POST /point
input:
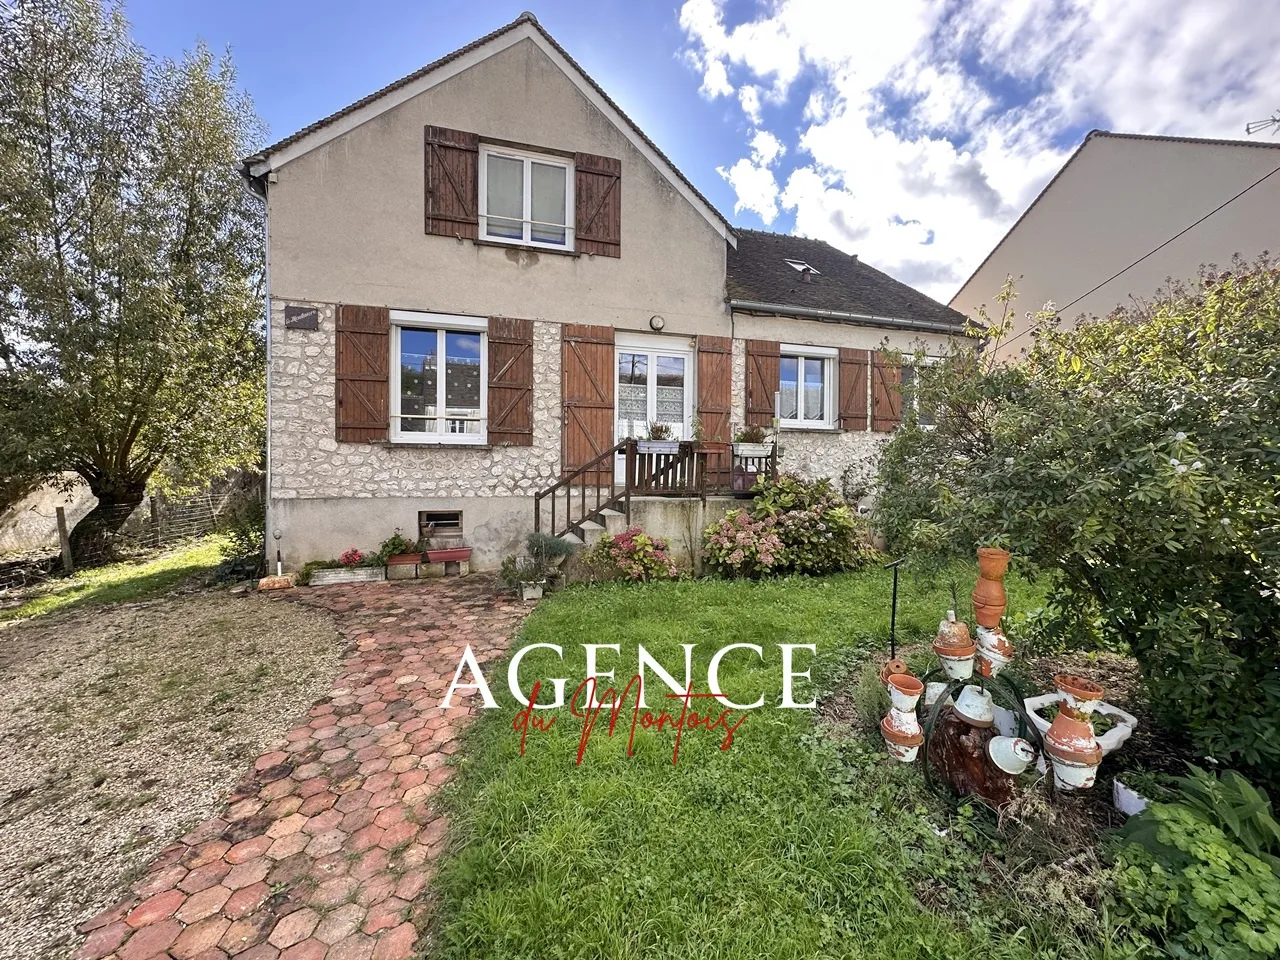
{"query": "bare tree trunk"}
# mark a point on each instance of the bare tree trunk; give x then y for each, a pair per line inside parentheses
(93, 539)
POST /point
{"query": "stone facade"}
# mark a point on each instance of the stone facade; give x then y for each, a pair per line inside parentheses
(308, 463)
(821, 453)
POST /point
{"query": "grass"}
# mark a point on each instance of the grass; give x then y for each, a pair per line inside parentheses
(122, 582)
(791, 844)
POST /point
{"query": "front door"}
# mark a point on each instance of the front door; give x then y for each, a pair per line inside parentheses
(654, 384)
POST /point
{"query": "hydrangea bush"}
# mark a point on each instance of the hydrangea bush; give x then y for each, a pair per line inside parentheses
(633, 555)
(741, 546)
(795, 526)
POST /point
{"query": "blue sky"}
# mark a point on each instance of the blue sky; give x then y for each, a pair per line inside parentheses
(911, 132)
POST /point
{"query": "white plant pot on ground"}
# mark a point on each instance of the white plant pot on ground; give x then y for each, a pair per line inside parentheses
(532, 591)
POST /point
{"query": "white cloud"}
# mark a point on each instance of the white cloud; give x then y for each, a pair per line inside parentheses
(914, 152)
(753, 181)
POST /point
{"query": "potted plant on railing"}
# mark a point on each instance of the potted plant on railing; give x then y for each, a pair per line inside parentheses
(750, 452)
(659, 440)
(711, 445)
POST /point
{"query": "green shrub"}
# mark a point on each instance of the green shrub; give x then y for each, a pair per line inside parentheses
(1132, 461)
(820, 533)
(244, 524)
(303, 577)
(1184, 886)
(633, 555)
(1235, 806)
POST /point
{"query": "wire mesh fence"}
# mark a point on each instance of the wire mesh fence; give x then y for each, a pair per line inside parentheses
(106, 534)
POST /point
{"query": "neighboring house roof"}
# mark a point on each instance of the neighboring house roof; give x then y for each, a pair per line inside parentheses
(525, 26)
(1091, 135)
(842, 288)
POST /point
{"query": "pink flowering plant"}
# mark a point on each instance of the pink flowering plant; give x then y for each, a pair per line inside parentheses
(352, 558)
(633, 555)
(740, 546)
(794, 526)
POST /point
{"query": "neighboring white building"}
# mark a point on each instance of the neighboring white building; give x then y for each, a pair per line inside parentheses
(1117, 200)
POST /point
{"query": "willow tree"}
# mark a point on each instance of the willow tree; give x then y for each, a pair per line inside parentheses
(130, 260)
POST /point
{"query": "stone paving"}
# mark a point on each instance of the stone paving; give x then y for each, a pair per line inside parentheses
(324, 851)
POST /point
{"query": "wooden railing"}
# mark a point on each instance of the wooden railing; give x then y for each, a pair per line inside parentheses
(689, 471)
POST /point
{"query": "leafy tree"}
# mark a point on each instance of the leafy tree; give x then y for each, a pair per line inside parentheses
(130, 261)
(1135, 461)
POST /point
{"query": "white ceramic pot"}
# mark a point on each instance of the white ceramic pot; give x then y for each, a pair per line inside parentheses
(957, 668)
(905, 692)
(531, 591)
(1073, 775)
(752, 449)
(990, 662)
(975, 706)
(1126, 799)
(1011, 754)
(657, 446)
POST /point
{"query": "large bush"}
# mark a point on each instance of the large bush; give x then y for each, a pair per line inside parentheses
(795, 526)
(1135, 461)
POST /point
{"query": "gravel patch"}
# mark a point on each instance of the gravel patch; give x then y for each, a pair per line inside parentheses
(125, 726)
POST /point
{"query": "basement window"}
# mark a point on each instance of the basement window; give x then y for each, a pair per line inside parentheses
(437, 523)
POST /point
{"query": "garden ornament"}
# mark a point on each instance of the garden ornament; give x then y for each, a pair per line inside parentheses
(1070, 743)
(955, 648)
(989, 598)
(900, 727)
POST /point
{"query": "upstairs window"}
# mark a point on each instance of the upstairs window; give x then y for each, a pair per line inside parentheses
(806, 386)
(439, 378)
(526, 198)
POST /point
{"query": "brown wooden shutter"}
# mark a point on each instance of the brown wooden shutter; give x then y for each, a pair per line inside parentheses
(586, 377)
(363, 355)
(510, 382)
(715, 386)
(453, 177)
(762, 380)
(853, 389)
(597, 204)
(886, 401)
(715, 401)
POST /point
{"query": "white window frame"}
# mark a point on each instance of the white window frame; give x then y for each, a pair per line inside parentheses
(911, 363)
(442, 323)
(527, 158)
(653, 346)
(828, 356)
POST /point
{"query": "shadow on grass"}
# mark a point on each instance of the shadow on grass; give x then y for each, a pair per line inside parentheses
(122, 582)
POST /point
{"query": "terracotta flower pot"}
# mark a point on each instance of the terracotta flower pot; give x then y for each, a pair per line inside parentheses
(1010, 754)
(955, 648)
(901, 746)
(995, 652)
(989, 598)
(1070, 743)
(905, 691)
(404, 558)
(891, 668)
(975, 707)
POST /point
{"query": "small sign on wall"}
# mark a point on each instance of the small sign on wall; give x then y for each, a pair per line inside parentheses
(301, 318)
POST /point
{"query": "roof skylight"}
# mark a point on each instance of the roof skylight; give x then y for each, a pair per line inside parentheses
(800, 266)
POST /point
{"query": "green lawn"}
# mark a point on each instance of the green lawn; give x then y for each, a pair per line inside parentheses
(796, 842)
(119, 582)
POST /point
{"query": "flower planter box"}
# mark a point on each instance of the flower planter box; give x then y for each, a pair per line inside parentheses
(752, 449)
(657, 446)
(532, 591)
(323, 578)
(714, 447)
(400, 558)
(449, 555)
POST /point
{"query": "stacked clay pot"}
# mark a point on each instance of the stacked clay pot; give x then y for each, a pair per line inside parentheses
(1070, 743)
(955, 648)
(994, 651)
(900, 727)
(892, 668)
(989, 598)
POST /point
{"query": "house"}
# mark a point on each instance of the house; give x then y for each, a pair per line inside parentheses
(484, 276)
(1126, 213)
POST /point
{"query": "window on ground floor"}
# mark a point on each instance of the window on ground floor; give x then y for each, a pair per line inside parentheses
(806, 386)
(439, 378)
(912, 371)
